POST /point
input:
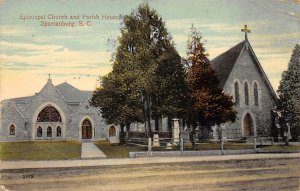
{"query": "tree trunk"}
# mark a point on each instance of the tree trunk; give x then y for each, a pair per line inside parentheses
(122, 137)
(156, 124)
(148, 116)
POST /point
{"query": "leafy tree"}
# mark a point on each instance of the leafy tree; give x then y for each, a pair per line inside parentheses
(170, 95)
(289, 93)
(147, 73)
(117, 101)
(208, 102)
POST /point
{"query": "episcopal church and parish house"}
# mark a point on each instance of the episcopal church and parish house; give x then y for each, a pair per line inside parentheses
(63, 112)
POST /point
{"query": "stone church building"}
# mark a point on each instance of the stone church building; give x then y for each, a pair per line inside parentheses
(242, 76)
(59, 112)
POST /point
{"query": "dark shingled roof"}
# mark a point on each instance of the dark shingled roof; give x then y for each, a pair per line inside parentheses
(224, 63)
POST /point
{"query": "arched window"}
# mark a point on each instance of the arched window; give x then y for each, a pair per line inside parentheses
(12, 130)
(246, 93)
(255, 94)
(49, 131)
(49, 114)
(58, 131)
(112, 131)
(237, 93)
(39, 132)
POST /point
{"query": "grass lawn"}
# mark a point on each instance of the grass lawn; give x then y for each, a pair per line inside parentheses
(117, 151)
(281, 148)
(122, 151)
(227, 146)
(40, 150)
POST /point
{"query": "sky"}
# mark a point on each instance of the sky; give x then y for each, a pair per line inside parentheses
(80, 53)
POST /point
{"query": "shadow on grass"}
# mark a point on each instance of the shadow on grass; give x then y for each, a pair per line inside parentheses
(118, 151)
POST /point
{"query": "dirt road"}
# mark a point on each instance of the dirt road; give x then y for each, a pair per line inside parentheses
(267, 175)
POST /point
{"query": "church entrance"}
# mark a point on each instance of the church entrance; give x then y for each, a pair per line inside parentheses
(248, 126)
(86, 129)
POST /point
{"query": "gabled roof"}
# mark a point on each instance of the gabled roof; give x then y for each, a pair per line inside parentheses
(224, 63)
(12, 106)
(21, 103)
(72, 94)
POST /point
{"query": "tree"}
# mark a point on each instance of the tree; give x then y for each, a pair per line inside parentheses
(118, 102)
(209, 104)
(289, 93)
(170, 95)
(146, 69)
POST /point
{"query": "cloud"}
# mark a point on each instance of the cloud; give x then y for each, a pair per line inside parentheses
(16, 30)
(30, 56)
(296, 1)
(30, 46)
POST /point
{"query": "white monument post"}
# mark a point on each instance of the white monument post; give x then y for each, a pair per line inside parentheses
(215, 132)
(156, 140)
(175, 130)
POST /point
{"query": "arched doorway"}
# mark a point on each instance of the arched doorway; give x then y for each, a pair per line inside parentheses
(86, 129)
(248, 126)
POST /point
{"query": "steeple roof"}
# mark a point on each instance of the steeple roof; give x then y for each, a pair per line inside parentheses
(224, 63)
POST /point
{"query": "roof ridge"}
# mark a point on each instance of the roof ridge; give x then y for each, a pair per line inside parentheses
(230, 49)
(225, 62)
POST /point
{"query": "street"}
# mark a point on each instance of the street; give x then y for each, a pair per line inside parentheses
(258, 174)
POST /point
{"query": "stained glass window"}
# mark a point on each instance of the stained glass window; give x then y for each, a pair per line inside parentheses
(58, 131)
(246, 93)
(39, 132)
(49, 114)
(255, 94)
(12, 130)
(237, 92)
(49, 131)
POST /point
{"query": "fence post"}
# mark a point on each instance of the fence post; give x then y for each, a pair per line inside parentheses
(222, 146)
(149, 146)
(254, 144)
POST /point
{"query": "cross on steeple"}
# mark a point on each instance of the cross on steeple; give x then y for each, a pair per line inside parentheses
(246, 30)
(49, 76)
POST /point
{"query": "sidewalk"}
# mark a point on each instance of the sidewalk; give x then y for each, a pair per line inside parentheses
(90, 151)
(127, 161)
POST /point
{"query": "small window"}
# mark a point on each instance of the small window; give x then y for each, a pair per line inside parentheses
(58, 131)
(255, 94)
(237, 93)
(246, 93)
(49, 131)
(112, 131)
(39, 132)
(12, 130)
